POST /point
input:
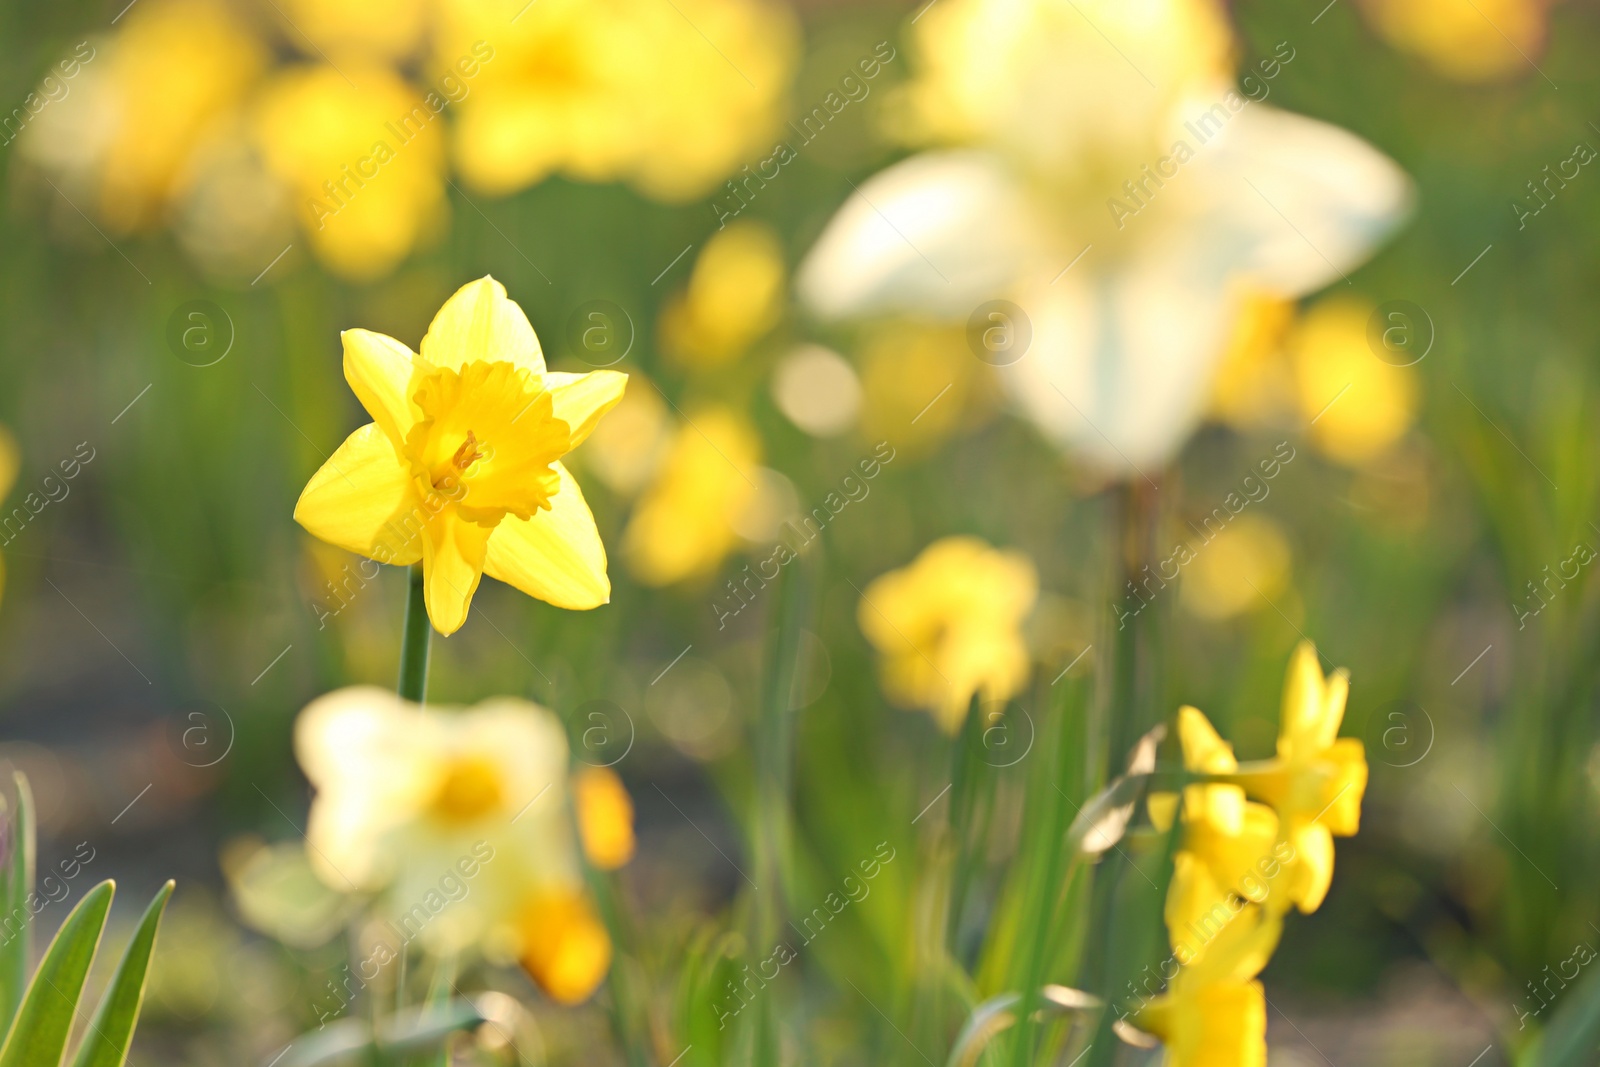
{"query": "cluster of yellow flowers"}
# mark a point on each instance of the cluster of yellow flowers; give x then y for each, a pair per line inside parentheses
(184, 117)
(1257, 840)
(948, 627)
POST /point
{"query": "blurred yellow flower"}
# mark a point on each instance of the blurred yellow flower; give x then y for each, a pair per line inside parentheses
(10, 463)
(365, 164)
(604, 90)
(1214, 1012)
(1253, 387)
(735, 295)
(1240, 568)
(605, 817)
(379, 29)
(1122, 195)
(1226, 847)
(405, 794)
(684, 524)
(1316, 781)
(710, 91)
(1362, 405)
(918, 382)
(626, 448)
(1467, 40)
(564, 944)
(162, 87)
(461, 468)
(949, 626)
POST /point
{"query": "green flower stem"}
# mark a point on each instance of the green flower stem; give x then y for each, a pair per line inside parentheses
(413, 684)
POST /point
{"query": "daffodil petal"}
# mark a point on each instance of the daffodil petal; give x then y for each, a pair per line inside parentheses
(934, 233)
(379, 370)
(1120, 362)
(360, 749)
(1298, 201)
(1313, 872)
(557, 555)
(363, 499)
(580, 399)
(480, 324)
(1301, 727)
(452, 564)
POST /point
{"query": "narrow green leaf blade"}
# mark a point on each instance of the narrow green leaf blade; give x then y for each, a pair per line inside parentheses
(16, 885)
(111, 1031)
(1574, 1029)
(39, 1033)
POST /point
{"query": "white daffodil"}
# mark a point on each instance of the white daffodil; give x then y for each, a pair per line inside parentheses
(1097, 167)
(453, 816)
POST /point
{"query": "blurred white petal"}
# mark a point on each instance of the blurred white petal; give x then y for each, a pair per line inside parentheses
(1291, 203)
(1120, 360)
(938, 230)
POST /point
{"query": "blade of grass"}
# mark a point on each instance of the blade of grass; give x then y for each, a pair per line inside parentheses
(111, 1029)
(38, 1034)
(17, 880)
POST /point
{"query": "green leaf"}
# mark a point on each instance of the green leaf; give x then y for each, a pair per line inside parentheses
(349, 1041)
(39, 1033)
(1574, 1030)
(111, 1030)
(16, 885)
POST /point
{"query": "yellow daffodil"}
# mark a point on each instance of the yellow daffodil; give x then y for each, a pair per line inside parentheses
(700, 114)
(1242, 567)
(685, 523)
(627, 447)
(363, 155)
(919, 384)
(735, 295)
(405, 794)
(385, 29)
(605, 817)
(140, 104)
(1225, 855)
(1317, 779)
(460, 468)
(1466, 40)
(1361, 405)
(605, 90)
(948, 626)
(1101, 172)
(1214, 1012)
(10, 462)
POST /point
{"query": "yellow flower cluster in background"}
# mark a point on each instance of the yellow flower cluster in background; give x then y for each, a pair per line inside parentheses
(1257, 839)
(1318, 368)
(735, 295)
(181, 118)
(461, 468)
(685, 523)
(949, 626)
(669, 97)
(460, 821)
(1466, 40)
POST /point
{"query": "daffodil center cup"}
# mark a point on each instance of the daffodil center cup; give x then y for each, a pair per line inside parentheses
(469, 789)
(487, 441)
